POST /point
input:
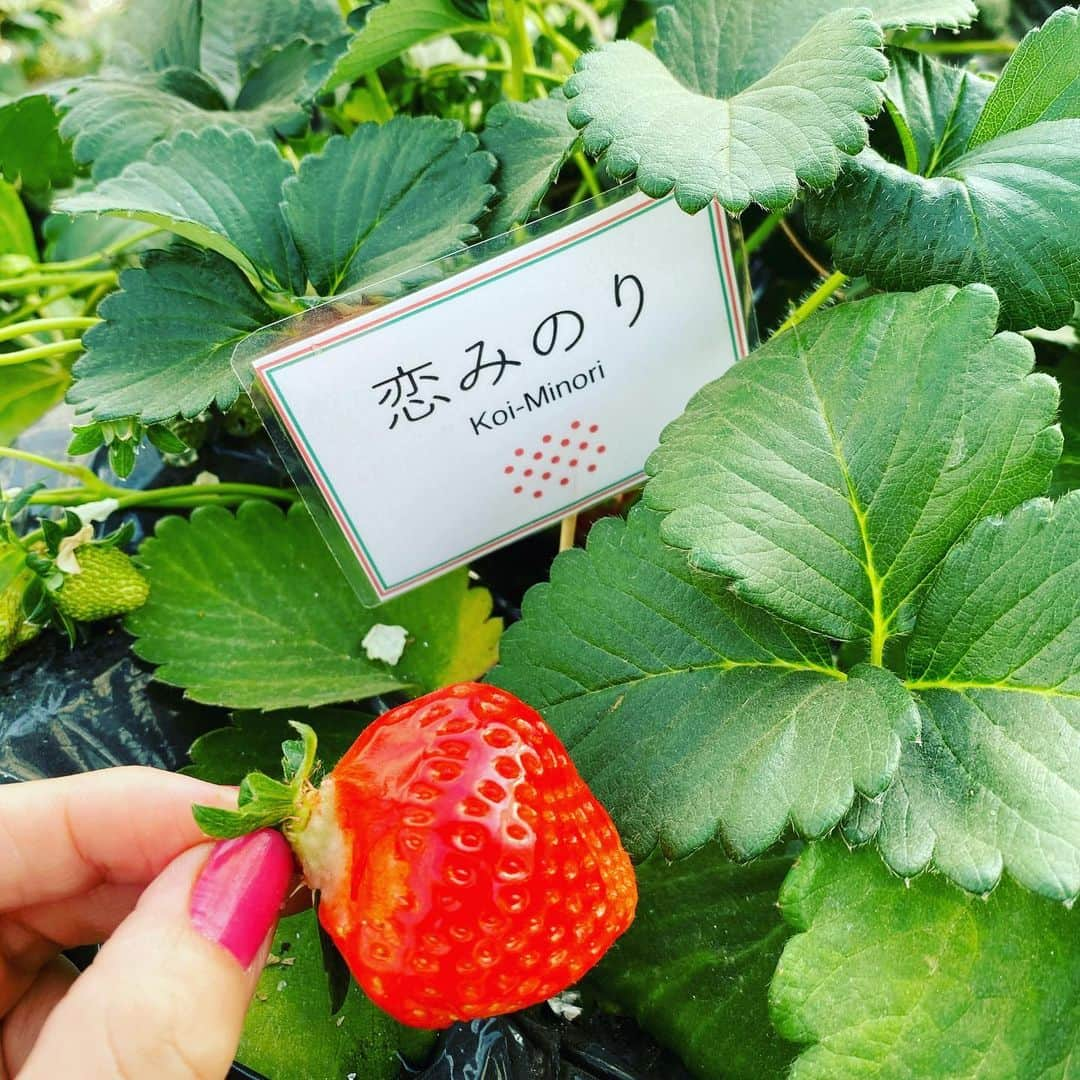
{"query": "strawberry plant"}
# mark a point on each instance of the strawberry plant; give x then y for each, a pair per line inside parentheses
(823, 677)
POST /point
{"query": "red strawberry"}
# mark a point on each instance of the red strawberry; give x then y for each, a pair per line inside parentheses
(464, 867)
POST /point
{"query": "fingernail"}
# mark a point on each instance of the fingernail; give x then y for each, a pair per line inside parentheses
(240, 891)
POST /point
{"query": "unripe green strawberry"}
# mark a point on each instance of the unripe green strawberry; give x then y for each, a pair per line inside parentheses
(14, 629)
(15, 577)
(108, 584)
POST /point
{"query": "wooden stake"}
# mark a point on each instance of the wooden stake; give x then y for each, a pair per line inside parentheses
(567, 531)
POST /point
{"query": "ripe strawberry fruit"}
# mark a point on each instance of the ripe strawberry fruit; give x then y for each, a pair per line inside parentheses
(107, 584)
(464, 867)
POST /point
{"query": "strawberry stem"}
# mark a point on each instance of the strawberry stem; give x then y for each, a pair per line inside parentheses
(264, 802)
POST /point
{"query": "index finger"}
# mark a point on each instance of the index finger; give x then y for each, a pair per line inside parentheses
(60, 838)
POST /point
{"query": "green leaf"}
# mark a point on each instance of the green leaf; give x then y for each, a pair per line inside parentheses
(220, 189)
(938, 103)
(391, 29)
(386, 199)
(992, 188)
(165, 347)
(690, 713)
(828, 474)
(248, 64)
(115, 120)
(31, 148)
(251, 611)
(1040, 82)
(151, 36)
(252, 742)
(756, 141)
(994, 215)
(243, 41)
(886, 981)
(1067, 473)
(27, 392)
(289, 1020)
(995, 662)
(531, 140)
(720, 47)
(73, 237)
(16, 232)
(695, 965)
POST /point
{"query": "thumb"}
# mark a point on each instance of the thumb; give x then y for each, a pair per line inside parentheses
(167, 994)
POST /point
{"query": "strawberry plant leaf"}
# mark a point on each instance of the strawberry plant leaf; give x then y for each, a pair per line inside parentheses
(114, 120)
(993, 215)
(1040, 82)
(219, 189)
(682, 127)
(986, 202)
(31, 148)
(695, 965)
(394, 27)
(386, 199)
(720, 47)
(250, 610)
(292, 998)
(178, 67)
(153, 37)
(994, 660)
(73, 237)
(1067, 473)
(16, 232)
(936, 105)
(531, 140)
(885, 981)
(27, 392)
(246, 47)
(828, 474)
(166, 344)
(252, 742)
(690, 713)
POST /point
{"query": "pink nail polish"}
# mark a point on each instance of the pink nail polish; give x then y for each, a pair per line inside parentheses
(240, 891)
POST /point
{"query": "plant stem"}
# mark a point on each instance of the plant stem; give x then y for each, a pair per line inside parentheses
(521, 50)
(41, 326)
(179, 497)
(588, 175)
(53, 348)
(830, 285)
(247, 491)
(80, 472)
(563, 45)
(542, 74)
(903, 133)
(30, 306)
(94, 297)
(762, 233)
(80, 279)
(384, 110)
(590, 18)
(962, 48)
(802, 250)
(107, 253)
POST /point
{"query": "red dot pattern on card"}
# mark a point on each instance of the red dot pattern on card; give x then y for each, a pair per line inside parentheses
(552, 466)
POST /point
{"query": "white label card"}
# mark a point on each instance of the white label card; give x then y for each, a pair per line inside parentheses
(456, 419)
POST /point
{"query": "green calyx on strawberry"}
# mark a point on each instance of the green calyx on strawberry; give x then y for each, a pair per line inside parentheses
(463, 866)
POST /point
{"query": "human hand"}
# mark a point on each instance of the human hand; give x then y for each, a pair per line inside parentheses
(116, 856)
